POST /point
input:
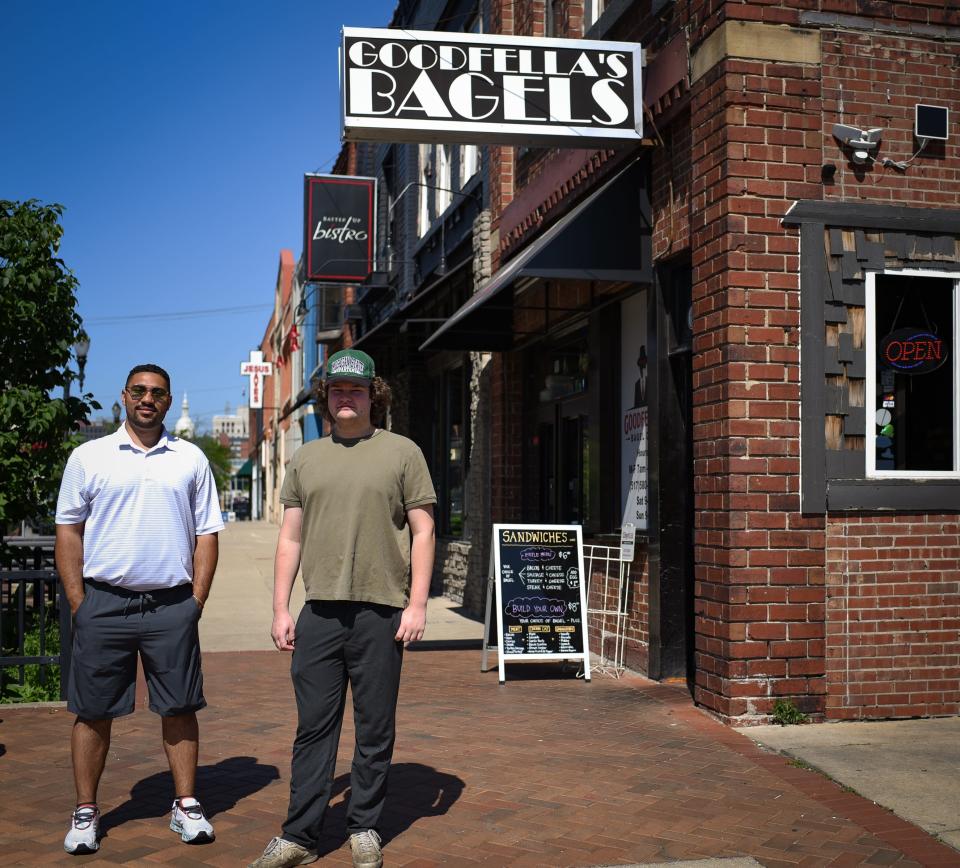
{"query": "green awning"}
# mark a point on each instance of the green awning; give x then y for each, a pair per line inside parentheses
(246, 469)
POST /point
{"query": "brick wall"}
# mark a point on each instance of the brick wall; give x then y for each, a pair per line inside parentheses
(787, 604)
(879, 78)
(759, 562)
(670, 191)
(893, 616)
(772, 582)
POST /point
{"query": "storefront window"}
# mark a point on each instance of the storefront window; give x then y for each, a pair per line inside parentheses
(913, 371)
(455, 451)
(563, 436)
(451, 449)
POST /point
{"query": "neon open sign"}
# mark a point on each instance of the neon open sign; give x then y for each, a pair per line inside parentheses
(912, 351)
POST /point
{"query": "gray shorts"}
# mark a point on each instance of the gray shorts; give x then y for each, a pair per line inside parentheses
(111, 627)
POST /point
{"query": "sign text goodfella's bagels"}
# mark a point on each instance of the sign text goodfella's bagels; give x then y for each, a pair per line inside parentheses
(402, 85)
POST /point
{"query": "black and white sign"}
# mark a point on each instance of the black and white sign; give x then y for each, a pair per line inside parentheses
(634, 419)
(539, 589)
(339, 227)
(415, 86)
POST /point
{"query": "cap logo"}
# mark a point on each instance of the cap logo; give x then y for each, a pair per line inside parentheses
(347, 365)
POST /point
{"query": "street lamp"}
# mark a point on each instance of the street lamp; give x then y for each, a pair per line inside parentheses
(116, 412)
(81, 346)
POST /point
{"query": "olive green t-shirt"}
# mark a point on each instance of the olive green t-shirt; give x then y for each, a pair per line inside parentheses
(354, 540)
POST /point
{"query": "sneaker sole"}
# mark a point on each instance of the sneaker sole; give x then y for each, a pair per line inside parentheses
(199, 838)
(83, 849)
(307, 860)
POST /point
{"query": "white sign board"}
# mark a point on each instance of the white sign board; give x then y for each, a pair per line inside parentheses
(628, 539)
(256, 369)
(633, 411)
(422, 86)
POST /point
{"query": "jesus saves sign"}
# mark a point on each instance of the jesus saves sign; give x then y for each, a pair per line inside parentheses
(401, 85)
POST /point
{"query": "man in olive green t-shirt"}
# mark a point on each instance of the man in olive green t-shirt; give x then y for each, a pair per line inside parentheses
(358, 520)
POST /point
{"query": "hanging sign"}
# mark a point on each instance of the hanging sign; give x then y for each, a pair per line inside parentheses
(256, 369)
(912, 351)
(420, 86)
(539, 590)
(339, 227)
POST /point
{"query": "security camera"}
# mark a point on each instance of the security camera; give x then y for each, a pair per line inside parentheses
(861, 141)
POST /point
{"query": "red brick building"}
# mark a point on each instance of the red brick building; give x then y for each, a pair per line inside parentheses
(803, 480)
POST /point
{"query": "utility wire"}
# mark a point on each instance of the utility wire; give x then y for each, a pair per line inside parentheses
(174, 315)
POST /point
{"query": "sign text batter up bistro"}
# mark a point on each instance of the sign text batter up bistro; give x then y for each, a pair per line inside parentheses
(413, 86)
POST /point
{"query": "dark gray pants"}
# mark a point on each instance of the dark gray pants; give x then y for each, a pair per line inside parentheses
(337, 642)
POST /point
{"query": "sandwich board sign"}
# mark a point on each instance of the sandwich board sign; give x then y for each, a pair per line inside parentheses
(538, 585)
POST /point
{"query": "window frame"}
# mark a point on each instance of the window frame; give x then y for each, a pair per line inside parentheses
(443, 385)
(473, 164)
(870, 347)
(444, 175)
(592, 12)
(424, 219)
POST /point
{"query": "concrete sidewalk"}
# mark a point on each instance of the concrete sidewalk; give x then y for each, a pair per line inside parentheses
(238, 615)
(911, 767)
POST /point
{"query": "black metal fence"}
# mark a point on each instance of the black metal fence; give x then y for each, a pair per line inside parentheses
(31, 596)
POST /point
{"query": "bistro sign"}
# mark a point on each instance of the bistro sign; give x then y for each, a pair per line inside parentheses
(413, 86)
(338, 218)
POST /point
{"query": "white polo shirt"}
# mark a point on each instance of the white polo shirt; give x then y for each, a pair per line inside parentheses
(143, 509)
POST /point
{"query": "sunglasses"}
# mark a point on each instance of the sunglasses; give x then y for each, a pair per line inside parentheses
(137, 392)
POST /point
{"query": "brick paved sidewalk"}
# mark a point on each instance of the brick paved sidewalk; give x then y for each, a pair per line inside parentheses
(546, 770)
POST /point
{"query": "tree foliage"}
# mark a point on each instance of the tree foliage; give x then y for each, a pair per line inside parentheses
(219, 457)
(38, 326)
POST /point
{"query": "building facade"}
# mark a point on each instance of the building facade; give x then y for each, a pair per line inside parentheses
(801, 507)
(739, 336)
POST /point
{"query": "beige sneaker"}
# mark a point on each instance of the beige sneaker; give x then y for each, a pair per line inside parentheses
(366, 849)
(281, 853)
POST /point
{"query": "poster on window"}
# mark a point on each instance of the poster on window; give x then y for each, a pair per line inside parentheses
(633, 411)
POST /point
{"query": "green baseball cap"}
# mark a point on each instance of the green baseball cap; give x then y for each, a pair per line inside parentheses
(353, 365)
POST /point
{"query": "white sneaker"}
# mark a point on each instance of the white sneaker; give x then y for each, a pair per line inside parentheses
(84, 834)
(366, 849)
(281, 853)
(190, 823)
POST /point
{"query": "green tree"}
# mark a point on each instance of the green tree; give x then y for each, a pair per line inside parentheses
(219, 457)
(38, 326)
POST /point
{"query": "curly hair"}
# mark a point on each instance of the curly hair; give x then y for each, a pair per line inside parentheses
(380, 398)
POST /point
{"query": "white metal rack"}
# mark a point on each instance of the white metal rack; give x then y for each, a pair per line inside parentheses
(614, 602)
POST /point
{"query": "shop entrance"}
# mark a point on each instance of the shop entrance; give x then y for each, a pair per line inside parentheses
(563, 439)
(671, 560)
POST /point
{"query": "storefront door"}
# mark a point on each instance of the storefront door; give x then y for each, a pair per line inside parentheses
(671, 468)
(562, 437)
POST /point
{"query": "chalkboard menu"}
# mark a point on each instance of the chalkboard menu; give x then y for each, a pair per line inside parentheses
(540, 594)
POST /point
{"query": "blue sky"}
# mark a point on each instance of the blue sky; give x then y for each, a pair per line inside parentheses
(176, 135)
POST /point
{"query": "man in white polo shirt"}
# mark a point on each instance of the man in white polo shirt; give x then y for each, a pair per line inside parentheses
(137, 523)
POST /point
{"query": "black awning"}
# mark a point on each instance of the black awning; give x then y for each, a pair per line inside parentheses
(386, 331)
(606, 237)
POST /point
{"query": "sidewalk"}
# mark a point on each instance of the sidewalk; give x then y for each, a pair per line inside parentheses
(911, 767)
(238, 614)
(544, 771)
